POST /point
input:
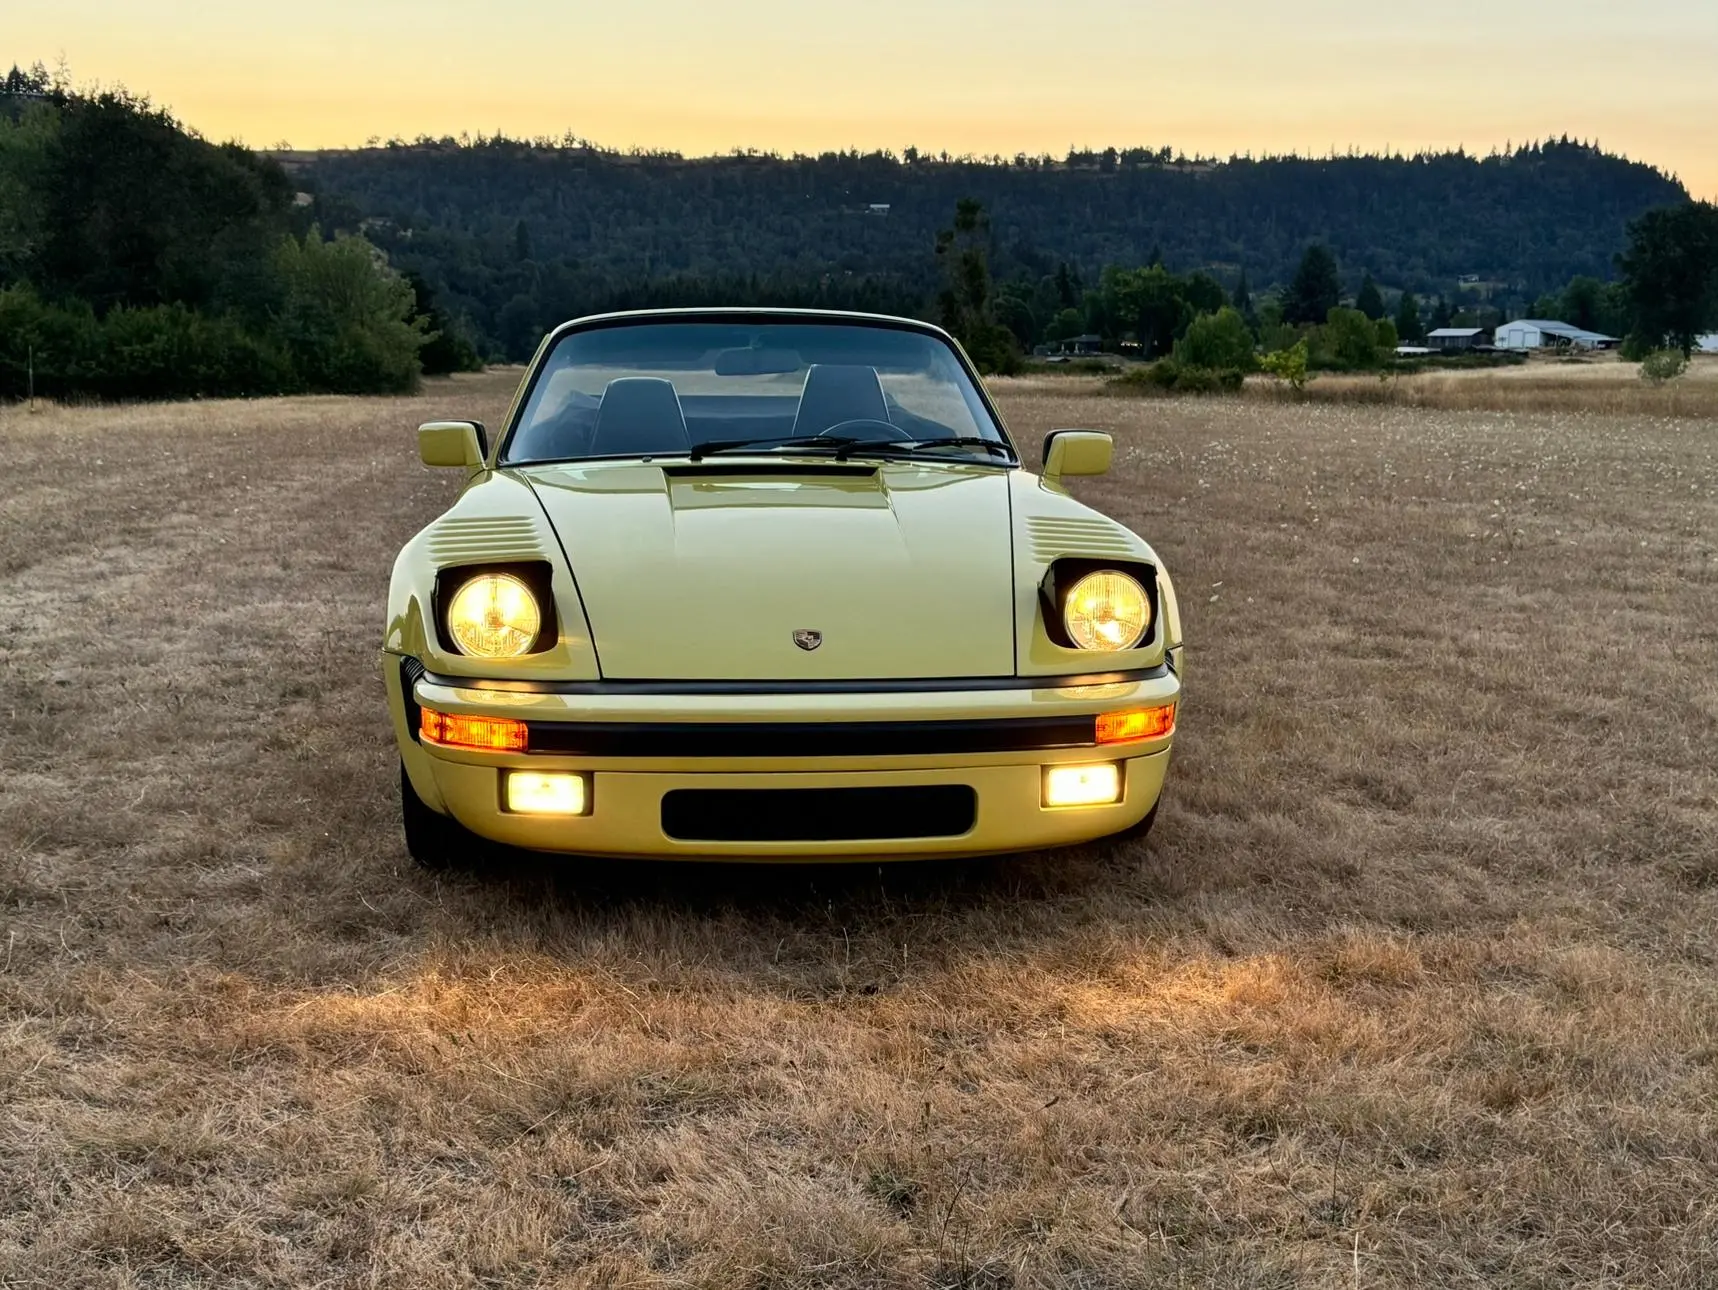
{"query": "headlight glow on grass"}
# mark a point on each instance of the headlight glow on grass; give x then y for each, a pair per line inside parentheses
(1134, 724)
(487, 734)
(531, 792)
(1082, 785)
(494, 616)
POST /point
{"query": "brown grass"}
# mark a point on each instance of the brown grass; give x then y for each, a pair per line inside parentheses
(1413, 986)
(1597, 384)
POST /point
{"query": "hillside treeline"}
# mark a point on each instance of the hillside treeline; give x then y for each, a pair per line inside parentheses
(516, 235)
(140, 261)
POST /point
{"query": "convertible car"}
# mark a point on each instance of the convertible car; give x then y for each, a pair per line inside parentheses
(772, 585)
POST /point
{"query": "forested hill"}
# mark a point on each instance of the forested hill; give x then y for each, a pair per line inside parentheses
(595, 225)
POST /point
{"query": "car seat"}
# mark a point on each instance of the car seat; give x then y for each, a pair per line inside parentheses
(835, 393)
(639, 415)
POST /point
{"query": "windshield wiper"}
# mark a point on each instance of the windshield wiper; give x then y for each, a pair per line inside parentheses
(913, 445)
(710, 447)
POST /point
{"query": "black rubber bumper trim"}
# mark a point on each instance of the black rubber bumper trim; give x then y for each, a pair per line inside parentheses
(891, 685)
(680, 739)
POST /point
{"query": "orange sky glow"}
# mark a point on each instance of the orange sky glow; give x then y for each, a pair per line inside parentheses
(978, 76)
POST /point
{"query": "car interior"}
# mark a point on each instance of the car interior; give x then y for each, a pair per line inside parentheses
(644, 415)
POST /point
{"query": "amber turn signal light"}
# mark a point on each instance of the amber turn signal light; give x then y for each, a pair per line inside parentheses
(490, 734)
(1134, 724)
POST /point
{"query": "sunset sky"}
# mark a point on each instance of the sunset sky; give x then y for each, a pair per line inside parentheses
(962, 75)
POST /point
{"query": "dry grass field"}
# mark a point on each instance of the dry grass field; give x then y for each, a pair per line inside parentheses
(1591, 383)
(1415, 984)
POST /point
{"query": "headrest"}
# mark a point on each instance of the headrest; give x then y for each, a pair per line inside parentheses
(839, 392)
(639, 415)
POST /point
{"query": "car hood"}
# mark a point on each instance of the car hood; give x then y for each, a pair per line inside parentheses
(706, 571)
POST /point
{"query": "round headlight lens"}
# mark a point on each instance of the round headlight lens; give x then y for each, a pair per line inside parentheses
(494, 616)
(1107, 610)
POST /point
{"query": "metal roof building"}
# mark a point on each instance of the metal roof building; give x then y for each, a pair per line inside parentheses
(1539, 333)
(1448, 338)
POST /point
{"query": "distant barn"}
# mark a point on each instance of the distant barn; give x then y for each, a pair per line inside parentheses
(1537, 333)
(1450, 339)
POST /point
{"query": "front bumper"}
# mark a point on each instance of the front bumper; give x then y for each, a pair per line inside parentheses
(634, 766)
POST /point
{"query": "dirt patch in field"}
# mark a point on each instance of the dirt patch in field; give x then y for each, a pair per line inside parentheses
(1413, 985)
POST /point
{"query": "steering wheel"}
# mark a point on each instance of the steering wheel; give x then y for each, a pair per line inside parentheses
(873, 429)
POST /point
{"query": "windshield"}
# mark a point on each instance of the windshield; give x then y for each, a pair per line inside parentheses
(679, 388)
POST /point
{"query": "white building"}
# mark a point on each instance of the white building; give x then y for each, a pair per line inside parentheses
(1538, 333)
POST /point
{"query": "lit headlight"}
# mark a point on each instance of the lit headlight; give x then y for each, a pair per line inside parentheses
(1107, 610)
(494, 616)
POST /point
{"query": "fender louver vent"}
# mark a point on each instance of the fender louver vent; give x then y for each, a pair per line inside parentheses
(1054, 536)
(484, 537)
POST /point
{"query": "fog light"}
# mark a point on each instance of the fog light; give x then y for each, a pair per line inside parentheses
(531, 792)
(1082, 785)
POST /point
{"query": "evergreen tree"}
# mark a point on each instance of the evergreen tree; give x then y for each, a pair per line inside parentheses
(1443, 313)
(521, 242)
(1316, 288)
(1068, 290)
(1243, 297)
(1370, 301)
(966, 303)
(1408, 324)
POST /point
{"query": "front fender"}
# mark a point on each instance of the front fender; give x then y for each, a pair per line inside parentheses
(496, 520)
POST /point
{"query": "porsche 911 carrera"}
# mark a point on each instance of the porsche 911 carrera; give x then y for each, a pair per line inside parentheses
(772, 585)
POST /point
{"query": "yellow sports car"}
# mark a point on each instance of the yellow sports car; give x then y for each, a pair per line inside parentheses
(772, 585)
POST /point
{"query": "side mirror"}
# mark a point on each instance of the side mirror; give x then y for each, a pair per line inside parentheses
(463, 444)
(1077, 452)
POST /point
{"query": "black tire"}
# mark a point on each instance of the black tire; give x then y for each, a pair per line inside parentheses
(435, 841)
(1135, 832)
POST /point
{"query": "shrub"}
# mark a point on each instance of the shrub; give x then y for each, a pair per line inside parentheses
(1171, 376)
(1289, 365)
(1663, 365)
(61, 343)
(1638, 348)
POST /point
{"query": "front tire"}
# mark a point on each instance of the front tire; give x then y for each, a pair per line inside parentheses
(1133, 832)
(435, 841)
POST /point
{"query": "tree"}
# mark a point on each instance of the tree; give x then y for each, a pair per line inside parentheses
(1370, 301)
(521, 242)
(1243, 297)
(1583, 303)
(1443, 313)
(1316, 288)
(1066, 325)
(350, 322)
(1350, 341)
(1408, 324)
(1150, 302)
(1219, 341)
(1670, 272)
(965, 303)
(1013, 309)
(1068, 287)
(446, 346)
(1205, 293)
